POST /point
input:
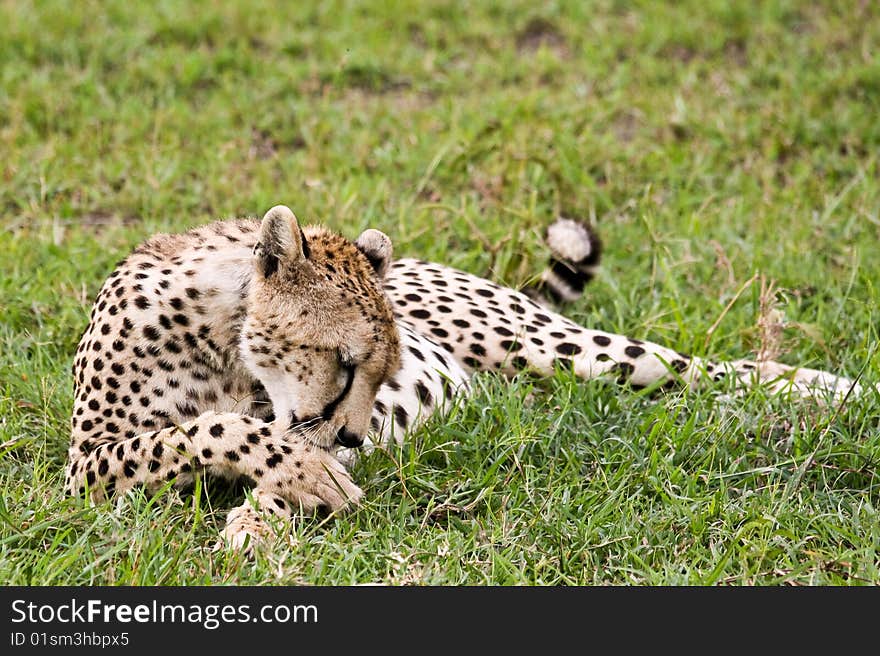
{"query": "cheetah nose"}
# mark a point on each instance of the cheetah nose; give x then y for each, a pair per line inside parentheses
(348, 439)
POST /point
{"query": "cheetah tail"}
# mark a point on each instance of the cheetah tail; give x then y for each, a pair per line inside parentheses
(575, 251)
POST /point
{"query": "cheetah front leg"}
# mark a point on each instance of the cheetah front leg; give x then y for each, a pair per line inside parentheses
(489, 327)
(289, 472)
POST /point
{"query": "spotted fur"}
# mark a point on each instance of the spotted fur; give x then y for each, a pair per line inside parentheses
(251, 349)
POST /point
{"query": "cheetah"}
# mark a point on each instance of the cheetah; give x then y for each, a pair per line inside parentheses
(260, 350)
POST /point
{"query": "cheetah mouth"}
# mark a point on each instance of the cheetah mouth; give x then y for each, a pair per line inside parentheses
(315, 430)
(319, 432)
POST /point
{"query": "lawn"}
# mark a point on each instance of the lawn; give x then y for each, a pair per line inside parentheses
(709, 141)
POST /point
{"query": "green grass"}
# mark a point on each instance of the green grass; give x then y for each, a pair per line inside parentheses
(709, 141)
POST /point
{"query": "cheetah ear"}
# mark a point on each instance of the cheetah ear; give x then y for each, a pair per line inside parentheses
(376, 246)
(281, 240)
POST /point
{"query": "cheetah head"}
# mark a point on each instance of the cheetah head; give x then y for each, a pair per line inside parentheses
(319, 333)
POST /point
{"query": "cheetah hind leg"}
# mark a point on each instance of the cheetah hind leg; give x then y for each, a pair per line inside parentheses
(595, 354)
(500, 329)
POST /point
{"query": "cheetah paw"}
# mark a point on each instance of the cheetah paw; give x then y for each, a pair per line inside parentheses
(323, 481)
(309, 478)
(244, 530)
